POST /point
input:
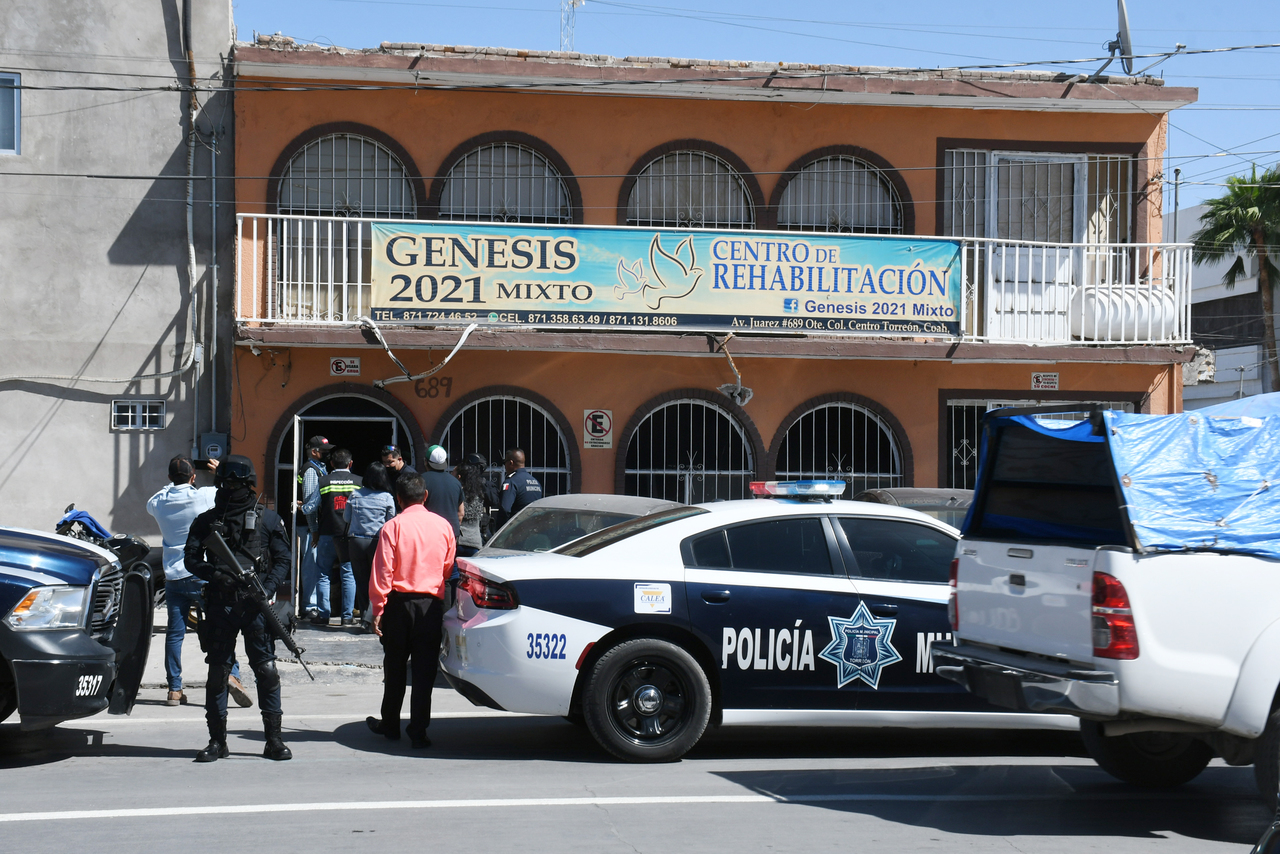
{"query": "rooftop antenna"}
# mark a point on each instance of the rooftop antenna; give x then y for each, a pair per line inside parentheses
(1123, 44)
(568, 13)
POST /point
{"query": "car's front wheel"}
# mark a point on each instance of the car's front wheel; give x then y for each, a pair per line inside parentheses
(647, 700)
(1159, 760)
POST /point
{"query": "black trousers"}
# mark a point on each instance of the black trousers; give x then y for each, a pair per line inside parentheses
(227, 618)
(411, 627)
(362, 549)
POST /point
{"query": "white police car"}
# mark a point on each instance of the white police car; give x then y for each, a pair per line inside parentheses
(791, 611)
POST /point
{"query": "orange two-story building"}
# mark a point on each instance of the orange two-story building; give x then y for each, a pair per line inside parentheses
(1048, 184)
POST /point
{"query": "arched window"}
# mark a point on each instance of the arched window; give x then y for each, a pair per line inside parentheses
(505, 182)
(840, 193)
(689, 450)
(690, 189)
(841, 441)
(324, 264)
(493, 425)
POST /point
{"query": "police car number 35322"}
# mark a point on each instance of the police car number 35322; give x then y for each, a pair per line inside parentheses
(544, 645)
(736, 613)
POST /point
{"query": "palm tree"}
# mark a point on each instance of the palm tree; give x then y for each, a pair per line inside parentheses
(1246, 221)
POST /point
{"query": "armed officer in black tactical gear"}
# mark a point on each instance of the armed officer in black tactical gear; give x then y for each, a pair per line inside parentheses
(255, 535)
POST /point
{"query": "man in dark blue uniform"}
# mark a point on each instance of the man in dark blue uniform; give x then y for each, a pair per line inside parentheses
(256, 537)
(519, 489)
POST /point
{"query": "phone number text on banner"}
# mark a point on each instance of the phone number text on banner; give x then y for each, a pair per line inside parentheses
(631, 278)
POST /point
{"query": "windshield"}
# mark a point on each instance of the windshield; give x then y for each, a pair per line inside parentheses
(630, 528)
(541, 529)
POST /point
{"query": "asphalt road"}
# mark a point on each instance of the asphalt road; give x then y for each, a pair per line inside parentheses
(502, 782)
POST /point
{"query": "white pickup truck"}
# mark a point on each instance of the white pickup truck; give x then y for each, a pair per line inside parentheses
(1126, 569)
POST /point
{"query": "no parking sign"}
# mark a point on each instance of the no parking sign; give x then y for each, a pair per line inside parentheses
(597, 428)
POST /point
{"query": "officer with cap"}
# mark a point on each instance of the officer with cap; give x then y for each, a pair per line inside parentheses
(519, 488)
(257, 535)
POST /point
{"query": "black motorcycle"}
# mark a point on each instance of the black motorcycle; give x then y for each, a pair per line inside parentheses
(132, 552)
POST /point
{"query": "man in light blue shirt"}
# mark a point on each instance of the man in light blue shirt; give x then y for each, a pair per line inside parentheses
(175, 507)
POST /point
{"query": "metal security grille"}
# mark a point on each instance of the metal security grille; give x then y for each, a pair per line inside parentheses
(840, 194)
(841, 441)
(505, 182)
(493, 425)
(691, 451)
(964, 430)
(1034, 196)
(690, 189)
(137, 415)
(324, 265)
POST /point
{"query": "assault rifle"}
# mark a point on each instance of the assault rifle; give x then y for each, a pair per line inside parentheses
(250, 584)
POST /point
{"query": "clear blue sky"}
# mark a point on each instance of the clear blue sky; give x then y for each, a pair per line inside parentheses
(1238, 111)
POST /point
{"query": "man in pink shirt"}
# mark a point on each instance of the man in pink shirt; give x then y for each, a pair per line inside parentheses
(406, 591)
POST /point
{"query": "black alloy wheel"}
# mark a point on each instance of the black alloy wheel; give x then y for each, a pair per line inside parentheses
(647, 700)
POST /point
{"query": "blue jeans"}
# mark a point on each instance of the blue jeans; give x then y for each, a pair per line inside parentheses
(326, 556)
(178, 596)
(310, 574)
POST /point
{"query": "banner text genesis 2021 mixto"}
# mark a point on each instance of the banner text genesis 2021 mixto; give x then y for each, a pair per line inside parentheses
(634, 278)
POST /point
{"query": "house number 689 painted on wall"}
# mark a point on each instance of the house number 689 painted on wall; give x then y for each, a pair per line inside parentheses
(433, 387)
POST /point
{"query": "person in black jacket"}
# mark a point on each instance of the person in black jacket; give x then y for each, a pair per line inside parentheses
(519, 488)
(255, 535)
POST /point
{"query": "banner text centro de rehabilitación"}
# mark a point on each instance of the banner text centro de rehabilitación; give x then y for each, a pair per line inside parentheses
(627, 278)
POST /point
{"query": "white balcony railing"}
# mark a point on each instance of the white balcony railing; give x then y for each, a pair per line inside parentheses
(315, 271)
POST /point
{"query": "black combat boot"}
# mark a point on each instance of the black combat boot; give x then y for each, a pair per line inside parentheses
(217, 748)
(275, 748)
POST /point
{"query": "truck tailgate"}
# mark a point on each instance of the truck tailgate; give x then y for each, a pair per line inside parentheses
(1032, 598)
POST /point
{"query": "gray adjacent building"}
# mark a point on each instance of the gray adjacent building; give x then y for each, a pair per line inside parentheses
(108, 282)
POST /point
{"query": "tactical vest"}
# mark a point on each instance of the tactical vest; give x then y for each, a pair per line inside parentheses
(335, 488)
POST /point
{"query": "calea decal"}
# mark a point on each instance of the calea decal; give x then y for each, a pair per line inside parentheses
(860, 647)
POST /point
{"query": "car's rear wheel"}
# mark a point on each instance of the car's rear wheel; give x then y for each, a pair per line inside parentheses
(1160, 760)
(647, 700)
(1266, 761)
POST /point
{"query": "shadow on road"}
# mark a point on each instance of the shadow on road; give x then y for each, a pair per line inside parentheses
(1220, 805)
(20, 749)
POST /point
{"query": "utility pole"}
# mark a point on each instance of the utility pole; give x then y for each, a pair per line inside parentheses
(568, 12)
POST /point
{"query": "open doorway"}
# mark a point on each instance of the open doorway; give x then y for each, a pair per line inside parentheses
(360, 425)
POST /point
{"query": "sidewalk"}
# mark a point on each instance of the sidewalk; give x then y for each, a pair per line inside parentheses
(334, 654)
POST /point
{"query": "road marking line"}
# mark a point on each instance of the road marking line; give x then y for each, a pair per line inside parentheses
(494, 803)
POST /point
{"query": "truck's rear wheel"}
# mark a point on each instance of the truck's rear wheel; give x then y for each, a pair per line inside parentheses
(1160, 760)
(1266, 761)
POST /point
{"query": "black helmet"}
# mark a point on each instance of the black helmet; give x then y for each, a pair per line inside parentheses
(235, 471)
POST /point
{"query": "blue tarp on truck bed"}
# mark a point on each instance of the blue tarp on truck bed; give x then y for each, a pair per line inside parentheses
(1205, 479)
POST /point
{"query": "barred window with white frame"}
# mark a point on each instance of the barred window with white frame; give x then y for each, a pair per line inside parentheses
(137, 415)
(690, 189)
(1060, 198)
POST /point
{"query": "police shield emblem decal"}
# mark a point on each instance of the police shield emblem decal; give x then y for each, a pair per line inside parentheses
(860, 647)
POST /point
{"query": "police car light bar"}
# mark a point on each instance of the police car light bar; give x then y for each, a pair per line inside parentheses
(824, 489)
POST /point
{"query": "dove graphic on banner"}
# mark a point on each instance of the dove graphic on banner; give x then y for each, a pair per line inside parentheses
(677, 274)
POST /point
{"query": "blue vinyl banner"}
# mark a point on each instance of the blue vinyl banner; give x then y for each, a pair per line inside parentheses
(548, 276)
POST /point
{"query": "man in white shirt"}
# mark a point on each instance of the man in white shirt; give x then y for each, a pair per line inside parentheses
(175, 507)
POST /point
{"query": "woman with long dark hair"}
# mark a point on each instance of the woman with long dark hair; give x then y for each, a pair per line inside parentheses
(368, 509)
(476, 500)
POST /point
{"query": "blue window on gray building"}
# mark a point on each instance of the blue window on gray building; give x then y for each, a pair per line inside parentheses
(10, 113)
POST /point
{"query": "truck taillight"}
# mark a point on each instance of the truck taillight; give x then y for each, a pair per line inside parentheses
(485, 593)
(953, 606)
(1114, 634)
